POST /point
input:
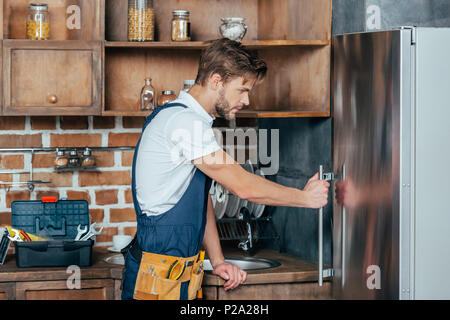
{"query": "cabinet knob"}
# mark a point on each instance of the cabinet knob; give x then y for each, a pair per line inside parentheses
(52, 98)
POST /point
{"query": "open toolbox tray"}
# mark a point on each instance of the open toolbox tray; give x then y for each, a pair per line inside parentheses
(53, 219)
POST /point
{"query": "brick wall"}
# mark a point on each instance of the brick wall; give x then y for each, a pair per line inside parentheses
(107, 190)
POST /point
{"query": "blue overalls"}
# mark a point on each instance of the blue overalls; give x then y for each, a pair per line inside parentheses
(177, 232)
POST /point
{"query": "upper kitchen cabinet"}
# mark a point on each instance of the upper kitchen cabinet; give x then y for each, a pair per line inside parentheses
(61, 75)
(68, 19)
(293, 36)
(54, 78)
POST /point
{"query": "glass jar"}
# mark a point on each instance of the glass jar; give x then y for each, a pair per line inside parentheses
(38, 22)
(74, 159)
(166, 97)
(141, 20)
(148, 96)
(181, 26)
(187, 85)
(88, 160)
(61, 159)
(233, 28)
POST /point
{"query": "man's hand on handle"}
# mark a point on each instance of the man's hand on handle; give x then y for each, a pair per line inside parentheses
(317, 192)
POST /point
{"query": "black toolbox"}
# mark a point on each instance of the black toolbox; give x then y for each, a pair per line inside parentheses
(57, 221)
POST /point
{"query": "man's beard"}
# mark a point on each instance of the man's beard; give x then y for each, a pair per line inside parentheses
(223, 107)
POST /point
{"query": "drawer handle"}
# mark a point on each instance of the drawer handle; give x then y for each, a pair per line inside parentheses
(52, 98)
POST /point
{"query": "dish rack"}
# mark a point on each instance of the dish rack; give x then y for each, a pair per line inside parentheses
(247, 230)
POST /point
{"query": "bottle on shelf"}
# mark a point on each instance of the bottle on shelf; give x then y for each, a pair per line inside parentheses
(181, 26)
(61, 160)
(147, 101)
(141, 20)
(166, 97)
(74, 159)
(187, 85)
(38, 22)
(88, 160)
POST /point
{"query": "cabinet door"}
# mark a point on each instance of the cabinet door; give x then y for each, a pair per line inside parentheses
(52, 77)
(102, 289)
(7, 291)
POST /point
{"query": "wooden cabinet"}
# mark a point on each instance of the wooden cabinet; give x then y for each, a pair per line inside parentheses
(102, 289)
(52, 78)
(7, 291)
(293, 37)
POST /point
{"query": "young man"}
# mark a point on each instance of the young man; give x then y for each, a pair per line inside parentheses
(175, 160)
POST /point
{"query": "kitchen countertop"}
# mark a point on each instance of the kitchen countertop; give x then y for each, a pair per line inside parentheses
(291, 270)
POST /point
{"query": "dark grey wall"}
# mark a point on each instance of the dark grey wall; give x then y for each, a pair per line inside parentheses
(304, 144)
(352, 15)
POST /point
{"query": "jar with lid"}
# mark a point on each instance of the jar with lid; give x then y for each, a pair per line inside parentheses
(88, 159)
(147, 100)
(181, 26)
(166, 97)
(74, 159)
(38, 22)
(141, 20)
(61, 159)
(187, 85)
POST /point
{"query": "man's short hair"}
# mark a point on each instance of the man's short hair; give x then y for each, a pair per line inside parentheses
(229, 59)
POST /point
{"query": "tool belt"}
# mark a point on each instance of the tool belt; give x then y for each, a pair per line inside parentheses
(160, 276)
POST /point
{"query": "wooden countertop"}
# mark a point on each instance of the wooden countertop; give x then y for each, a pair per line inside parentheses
(292, 269)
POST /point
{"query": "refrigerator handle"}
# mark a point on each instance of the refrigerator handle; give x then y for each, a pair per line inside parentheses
(320, 246)
(343, 236)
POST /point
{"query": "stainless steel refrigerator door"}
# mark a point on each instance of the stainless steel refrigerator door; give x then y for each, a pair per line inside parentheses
(367, 89)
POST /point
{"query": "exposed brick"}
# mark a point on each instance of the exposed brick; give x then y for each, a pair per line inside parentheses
(76, 140)
(16, 195)
(123, 139)
(20, 141)
(122, 215)
(79, 195)
(44, 160)
(131, 231)
(6, 177)
(5, 218)
(107, 234)
(57, 179)
(43, 123)
(97, 215)
(12, 123)
(128, 195)
(127, 158)
(133, 122)
(102, 178)
(74, 123)
(104, 122)
(11, 161)
(104, 159)
(103, 197)
(40, 194)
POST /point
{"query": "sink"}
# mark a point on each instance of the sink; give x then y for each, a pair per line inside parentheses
(245, 263)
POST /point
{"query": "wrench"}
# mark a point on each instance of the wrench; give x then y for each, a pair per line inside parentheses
(92, 232)
(81, 231)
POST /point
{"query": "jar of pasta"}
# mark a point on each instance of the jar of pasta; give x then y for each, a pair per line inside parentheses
(38, 22)
(141, 20)
(181, 26)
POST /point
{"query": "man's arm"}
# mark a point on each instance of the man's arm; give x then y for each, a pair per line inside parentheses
(211, 243)
(223, 169)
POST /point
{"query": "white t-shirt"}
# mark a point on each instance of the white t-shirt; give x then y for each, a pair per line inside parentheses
(174, 138)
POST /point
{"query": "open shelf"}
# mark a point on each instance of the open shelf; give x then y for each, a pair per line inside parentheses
(258, 44)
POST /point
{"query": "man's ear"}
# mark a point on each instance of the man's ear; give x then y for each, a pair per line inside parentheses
(215, 81)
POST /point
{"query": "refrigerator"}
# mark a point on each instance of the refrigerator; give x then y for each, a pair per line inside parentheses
(391, 150)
